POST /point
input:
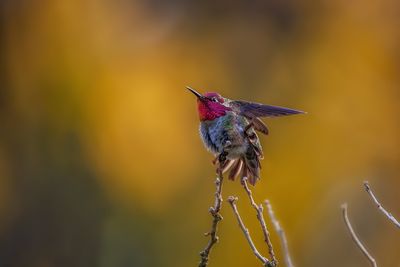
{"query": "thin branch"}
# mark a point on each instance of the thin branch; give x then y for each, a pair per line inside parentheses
(380, 207)
(232, 201)
(355, 238)
(214, 211)
(281, 234)
(260, 217)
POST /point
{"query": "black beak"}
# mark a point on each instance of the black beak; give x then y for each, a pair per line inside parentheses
(199, 96)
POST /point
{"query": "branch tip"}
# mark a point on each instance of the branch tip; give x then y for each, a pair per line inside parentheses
(232, 199)
(367, 187)
(379, 205)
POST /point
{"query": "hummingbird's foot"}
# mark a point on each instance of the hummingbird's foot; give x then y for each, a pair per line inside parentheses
(222, 157)
(221, 160)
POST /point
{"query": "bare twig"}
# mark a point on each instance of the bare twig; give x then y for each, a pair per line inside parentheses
(260, 217)
(232, 201)
(355, 238)
(214, 211)
(281, 234)
(380, 207)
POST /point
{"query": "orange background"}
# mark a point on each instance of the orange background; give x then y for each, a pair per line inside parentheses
(100, 159)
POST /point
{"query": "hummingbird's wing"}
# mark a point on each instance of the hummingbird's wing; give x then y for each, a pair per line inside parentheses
(252, 110)
(259, 125)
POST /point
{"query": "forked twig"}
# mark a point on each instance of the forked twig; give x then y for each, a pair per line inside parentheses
(260, 217)
(232, 201)
(214, 211)
(281, 233)
(355, 238)
(380, 207)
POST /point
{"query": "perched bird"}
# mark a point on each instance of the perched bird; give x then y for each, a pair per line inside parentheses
(227, 128)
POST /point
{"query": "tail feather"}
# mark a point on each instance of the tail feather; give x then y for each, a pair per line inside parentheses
(237, 167)
(248, 166)
(226, 165)
(252, 164)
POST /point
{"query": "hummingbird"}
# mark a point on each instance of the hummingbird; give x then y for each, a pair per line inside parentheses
(228, 130)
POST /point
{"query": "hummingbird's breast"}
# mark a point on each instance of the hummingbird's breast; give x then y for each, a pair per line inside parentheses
(223, 131)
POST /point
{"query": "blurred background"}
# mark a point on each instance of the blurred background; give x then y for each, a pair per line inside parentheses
(100, 159)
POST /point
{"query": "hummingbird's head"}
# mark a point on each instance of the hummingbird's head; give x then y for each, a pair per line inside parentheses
(210, 105)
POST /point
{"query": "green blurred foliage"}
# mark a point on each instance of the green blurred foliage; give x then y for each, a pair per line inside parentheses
(100, 159)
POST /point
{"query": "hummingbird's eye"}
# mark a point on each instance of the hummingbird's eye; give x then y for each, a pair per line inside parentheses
(214, 99)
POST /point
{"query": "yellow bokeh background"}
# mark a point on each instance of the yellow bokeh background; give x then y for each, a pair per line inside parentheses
(100, 159)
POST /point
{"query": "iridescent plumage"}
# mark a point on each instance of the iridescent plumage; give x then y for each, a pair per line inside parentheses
(227, 128)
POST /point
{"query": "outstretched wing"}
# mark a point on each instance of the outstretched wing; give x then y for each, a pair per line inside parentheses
(252, 110)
